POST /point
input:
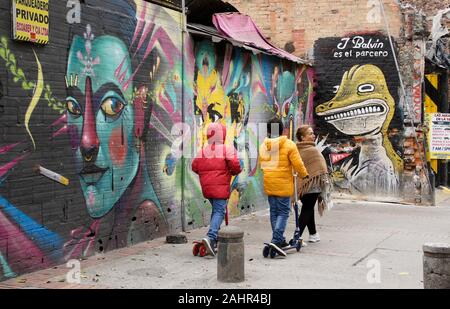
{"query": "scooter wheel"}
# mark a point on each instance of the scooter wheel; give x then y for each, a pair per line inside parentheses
(266, 251)
(202, 251)
(299, 246)
(195, 249)
(273, 253)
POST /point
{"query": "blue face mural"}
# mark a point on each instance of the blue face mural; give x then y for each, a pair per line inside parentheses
(122, 94)
(101, 119)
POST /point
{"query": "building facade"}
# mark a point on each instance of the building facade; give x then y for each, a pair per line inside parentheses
(99, 125)
(374, 88)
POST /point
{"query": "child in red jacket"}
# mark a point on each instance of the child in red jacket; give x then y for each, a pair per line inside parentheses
(215, 164)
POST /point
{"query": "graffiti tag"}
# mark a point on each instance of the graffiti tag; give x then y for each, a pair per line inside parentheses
(74, 14)
(359, 46)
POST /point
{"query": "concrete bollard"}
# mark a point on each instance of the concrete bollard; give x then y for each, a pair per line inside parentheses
(176, 239)
(436, 266)
(230, 259)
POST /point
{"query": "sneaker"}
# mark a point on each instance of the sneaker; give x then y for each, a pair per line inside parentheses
(278, 247)
(284, 244)
(209, 246)
(314, 238)
(304, 243)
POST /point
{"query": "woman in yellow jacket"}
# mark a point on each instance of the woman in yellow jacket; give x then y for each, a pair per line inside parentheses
(277, 156)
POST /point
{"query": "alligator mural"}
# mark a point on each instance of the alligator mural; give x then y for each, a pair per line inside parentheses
(363, 108)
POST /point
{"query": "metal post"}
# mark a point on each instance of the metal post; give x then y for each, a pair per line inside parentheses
(183, 159)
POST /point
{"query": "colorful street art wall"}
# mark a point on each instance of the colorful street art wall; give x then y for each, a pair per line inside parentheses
(242, 91)
(88, 129)
(358, 113)
(94, 108)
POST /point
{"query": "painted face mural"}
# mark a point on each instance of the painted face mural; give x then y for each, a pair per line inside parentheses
(221, 96)
(361, 110)
(211, 104)
(123, 97)
(101, 119)
(118, 100)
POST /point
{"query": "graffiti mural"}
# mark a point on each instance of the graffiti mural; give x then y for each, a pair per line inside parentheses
(222, 84)
(242, 90)
(122, 94)
(87, 160)
(292, 96)
(359, 112)
(112, 98)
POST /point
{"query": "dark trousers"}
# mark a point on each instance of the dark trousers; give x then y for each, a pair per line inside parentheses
(306, 218)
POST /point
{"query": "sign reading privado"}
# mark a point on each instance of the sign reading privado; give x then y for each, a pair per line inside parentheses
(31, 20)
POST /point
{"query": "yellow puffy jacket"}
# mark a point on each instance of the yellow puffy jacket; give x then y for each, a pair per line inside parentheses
(277, 157)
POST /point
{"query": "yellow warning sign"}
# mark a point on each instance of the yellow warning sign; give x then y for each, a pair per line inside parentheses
(31, 20)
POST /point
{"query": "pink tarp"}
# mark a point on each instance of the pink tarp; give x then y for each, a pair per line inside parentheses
(242, 28)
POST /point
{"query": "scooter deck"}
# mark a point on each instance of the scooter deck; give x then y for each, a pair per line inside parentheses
(267, 252)
(273, 250)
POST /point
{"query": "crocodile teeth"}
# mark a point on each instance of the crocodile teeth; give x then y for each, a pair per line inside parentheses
(355, 112)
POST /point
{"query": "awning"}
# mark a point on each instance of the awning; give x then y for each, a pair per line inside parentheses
(240, 31)
(198, 11)
(241, 28)
(222, 21)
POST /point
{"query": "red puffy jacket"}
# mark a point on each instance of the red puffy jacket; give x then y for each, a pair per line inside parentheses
(216, 163)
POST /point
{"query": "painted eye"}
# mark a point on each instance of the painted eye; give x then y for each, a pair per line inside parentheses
(112, 106)
(335, 89)
(197, 110)
(215, 116)
(366, 88)
(73, 107)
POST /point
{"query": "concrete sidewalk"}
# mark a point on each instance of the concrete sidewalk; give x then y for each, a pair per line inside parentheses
(357, 238)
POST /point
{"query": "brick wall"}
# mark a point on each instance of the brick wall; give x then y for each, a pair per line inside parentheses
(429, 8)
(313, 30)
(303, 22)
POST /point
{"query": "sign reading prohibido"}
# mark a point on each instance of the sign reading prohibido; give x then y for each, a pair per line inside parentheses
(30, 20)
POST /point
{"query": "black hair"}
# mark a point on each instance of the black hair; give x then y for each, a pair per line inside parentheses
(275, 127)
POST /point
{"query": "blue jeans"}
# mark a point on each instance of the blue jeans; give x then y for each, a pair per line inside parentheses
(217, 215)
(279, 214)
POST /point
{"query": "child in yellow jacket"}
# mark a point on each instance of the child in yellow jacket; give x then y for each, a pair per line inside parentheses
(277, 156)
